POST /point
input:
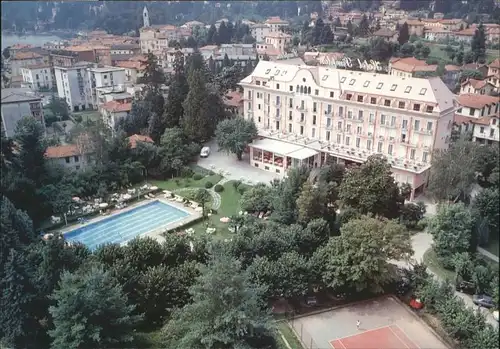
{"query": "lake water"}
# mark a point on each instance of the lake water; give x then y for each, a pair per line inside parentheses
(35, 40)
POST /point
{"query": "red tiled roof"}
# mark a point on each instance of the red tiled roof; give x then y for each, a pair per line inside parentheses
(476, 84)
(62, 151)
(233, 99)
(466, 32)
(115, 107)
(26, 55)
(138, 65)
(472, 100)
(411, 64)
(138, 138)
(495, 64)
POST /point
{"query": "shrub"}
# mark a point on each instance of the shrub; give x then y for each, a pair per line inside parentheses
(197, 176)
(218, 188)
(236, 184)
(177, 182)
(186, 172)
(213, 211)
(242, 190)
(209, 185)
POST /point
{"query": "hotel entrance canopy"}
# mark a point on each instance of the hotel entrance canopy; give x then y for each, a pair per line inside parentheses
(283, 148)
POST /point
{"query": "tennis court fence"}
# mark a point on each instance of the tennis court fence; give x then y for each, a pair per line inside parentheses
(305, 338)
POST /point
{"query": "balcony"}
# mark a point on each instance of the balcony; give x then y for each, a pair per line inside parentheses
(388, 125)
(408, 143)
(301, 108)
(277, 117)
(329, 113)
(277, 104)
(301, 120)
(423, 131)
(358, 119)
(266, 101)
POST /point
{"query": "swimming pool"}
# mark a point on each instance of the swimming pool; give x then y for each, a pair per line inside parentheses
(125, 226)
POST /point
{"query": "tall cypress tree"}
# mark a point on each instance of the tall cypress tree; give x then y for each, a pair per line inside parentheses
(195, 120)
(404, 34)
(478, 44)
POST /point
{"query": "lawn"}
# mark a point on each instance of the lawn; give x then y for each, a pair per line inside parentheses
(92, 115)
(290, 337)
(178, 183)
(431, 261)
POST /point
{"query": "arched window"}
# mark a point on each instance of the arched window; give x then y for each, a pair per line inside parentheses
(309, 90)
(301, 89)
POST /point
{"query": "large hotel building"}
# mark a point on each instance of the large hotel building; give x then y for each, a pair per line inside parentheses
(306, 114)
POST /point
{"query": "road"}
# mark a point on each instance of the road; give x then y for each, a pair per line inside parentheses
(421, 242)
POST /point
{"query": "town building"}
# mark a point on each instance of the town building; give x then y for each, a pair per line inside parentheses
(21, 59)
(308, 114)
(479, 115)
(17, 103)
(276, 23)
(259, 31)
(474, 86)
(113, 111)
(38, 77)
(233, 102)
(386, 34)
(493, 75)
(409, 66)
(279, 41)
(134, 70)
(69, 156)
(125, 49)
(242, 54)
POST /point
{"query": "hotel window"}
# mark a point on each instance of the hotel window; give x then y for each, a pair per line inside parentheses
(472, 111)
(327, 135)
(349, 114)
(423, 91)
(301, 130)
(257, 83)
(250, 94)
(360, 98)
(339, 139)
(258, 119)
(331, 94)
(492, 132)
(290, 103)
(313, 133)
(290, 115)
(412, 154)
(309, 90)
(373, 100)
(314, 119)
(67, 159)
(359, 130)
(493, 121)
(277, 125)
(429, 126)
(425, 155)
(302, 89)
(429, 109)
(341, 111)
(314, 107)
(339, 125)
(382, 119)
(342, 79)
(371, 120)
(379, 86)
(258, 106)
(352, 82)
(358, 141)
(407, 89)
(416, 107)
(329, 109)
(360, 115)
(290, 128)
(387, 102)
(291, 88)
(316, 92)
(389, 149)
(77, 159)
(367, 82)
(297, 89)
(401, 105)
(347, 139)
(417, 125)
(277, 86)
(393, 120)
(302, 117)
(393, 87)
(369, 144)
(379, 147)
(481, 129)
(348, 127)
(405, 125)
(349, 96)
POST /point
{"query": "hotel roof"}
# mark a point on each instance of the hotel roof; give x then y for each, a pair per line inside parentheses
(426, 90)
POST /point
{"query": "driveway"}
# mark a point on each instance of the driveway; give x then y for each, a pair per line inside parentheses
(234, 169)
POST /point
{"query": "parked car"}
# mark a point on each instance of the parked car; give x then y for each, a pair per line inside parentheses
(483, 300)
(205, 152)
(465, 287)
(495, 315)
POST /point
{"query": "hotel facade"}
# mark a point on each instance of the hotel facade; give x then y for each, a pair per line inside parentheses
(306, 114)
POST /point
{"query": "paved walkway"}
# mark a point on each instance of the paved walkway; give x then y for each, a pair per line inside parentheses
(487, 254)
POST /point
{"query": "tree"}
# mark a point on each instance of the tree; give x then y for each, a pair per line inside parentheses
(311, 203)
(91, 311)
(196, 122)
(18, 326)
(233, 135)
(256, 199)
(178, 90)
(350, 28)
(453, 170)
(226, 62)
(175, 148)
(451, 229)
(404, 34)
(211, 35)
(371, 188)
(357, 260)
(486, 205)
(153, 76)
(227, 311)
(478, 44)
(202, 196)
(285, 194)
(138, 118)
(411, 214)
(364, 26)
(59, 107)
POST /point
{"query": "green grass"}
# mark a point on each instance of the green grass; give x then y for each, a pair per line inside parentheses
(92, 115)
(178, 183)
(290, 337)
(431, 261)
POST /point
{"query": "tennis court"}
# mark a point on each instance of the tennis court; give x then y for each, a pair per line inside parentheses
(125, 226)
(385, 323)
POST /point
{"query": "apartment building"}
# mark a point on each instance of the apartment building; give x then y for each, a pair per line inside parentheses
(409, 66)
(480, 87)
(22, 60)
(68, 156)
(279, 41)
(493, 75)
(156, 38)
(79, 84)
(306, 114)
(276, 23)
(113, 111)
(38, 77)
(479, 115)
(17, 103)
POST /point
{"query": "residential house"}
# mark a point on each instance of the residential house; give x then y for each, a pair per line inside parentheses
(17, 103)
(193, 24)
(415, 27)
(167, 59)
(125, 49)
(22, 59)
(493, 75)
(135, 139)
(479, 115)
(38, 77)
(437, 34)
(233, 102)
(409, 66)
(133, 70)
(279, 40)
(276, 23)
(479, 87)
(114, 111)
(386, 34)
(259, 31)
(69, 156)
(453, 24)
(465, 35)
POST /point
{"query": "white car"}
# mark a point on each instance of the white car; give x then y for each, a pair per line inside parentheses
(205, 152)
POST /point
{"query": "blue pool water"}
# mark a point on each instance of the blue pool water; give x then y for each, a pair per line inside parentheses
(124, 226)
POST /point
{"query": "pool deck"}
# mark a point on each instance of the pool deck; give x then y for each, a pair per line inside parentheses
(157, 233)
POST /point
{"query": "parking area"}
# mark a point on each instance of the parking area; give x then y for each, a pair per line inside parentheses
(384, 324)
(234, 169)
